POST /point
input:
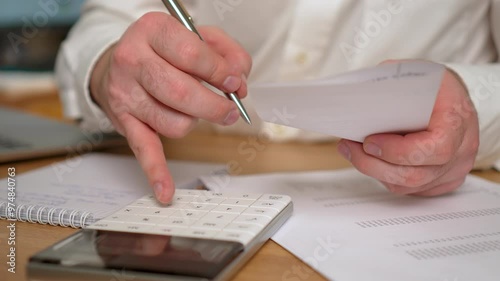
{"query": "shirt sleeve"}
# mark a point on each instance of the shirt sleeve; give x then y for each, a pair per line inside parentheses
(483, 83)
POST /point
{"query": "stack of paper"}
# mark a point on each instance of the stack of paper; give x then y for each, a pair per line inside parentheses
(349, 227)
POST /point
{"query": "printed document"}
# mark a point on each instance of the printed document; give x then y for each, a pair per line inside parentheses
(389, 98)
(348, 227)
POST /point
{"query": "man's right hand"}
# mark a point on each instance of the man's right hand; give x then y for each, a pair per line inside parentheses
(148, 83)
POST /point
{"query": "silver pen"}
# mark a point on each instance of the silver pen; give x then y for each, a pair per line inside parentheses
(177, 10)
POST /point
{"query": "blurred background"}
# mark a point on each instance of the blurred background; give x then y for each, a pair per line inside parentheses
(31, 32)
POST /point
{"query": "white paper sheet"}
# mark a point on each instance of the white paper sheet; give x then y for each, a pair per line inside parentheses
(387, 98)
(348, 227)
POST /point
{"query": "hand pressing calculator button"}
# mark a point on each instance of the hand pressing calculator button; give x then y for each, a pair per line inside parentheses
(199, 213)
(200, 235)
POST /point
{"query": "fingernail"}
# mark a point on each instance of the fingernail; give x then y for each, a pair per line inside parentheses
(344, 151)
(232, 117)
(243, 78)
(158, 188)
(373, 149)
(231, 84)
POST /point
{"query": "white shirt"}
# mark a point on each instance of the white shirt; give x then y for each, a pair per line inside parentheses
(307, 39)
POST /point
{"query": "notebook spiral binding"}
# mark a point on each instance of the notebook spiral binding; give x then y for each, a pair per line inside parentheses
(46, 215)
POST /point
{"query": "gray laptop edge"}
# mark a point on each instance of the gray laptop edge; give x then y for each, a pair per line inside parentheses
(24, 136)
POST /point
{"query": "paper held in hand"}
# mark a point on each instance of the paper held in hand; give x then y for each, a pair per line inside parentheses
(389, 98)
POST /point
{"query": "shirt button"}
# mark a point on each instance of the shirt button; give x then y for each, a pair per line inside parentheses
(301, 58)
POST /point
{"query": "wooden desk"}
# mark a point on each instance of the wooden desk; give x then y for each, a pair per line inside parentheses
(271, 263)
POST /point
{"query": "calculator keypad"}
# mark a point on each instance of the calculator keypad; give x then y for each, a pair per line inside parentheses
(200, 214)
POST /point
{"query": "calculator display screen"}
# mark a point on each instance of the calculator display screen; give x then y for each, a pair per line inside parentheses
(123, 252)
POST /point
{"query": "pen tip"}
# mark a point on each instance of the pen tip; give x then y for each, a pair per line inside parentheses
(247, 119)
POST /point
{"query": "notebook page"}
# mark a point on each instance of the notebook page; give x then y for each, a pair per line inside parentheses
(348, 227)
(95, 182)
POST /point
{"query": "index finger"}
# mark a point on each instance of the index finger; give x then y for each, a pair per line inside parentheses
(148, 150)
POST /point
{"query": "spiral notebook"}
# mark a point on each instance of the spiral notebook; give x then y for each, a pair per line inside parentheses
(82, 190)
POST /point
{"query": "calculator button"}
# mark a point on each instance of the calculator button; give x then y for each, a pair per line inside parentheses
(106, 225)
(269, 204)
(210, 200)
(116, 218)
(147, 198)
(184, 198)
(168, 230)
(188, 214)
(164, 212)
(187, 192)
(243, 227)
(213, 194)
(216, 216)
(171, 205)
(254, 219)
(200, 233)
(274, 197)
(156, 204)
(242, 237)
(229, 209)
(199, 206)
(131, 210)
(268, 212)
(208, 224)
(132, 227)
(238, 202)
(128, 227)
(145, 219)
(178, 222)
(250, 196)
(141, 203)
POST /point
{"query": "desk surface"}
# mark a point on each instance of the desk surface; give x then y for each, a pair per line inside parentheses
(271, 262)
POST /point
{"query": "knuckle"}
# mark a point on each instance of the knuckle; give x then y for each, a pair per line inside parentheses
(414, 177)
(395, 189)
(220, 112)
(246, 60)
(444, 154)
(188, 53)
(149, 20)
(155, 119)
(151, 75)
(178, 92)
(474, 145)
(216, 73)
(147, 108)
(117, 101)
(180, 127)
(123, 56)
(465, 167)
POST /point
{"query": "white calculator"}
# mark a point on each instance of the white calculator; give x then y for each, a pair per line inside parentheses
(200, 235)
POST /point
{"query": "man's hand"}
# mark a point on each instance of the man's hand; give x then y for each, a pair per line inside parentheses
(148, 83)
(427, 163)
